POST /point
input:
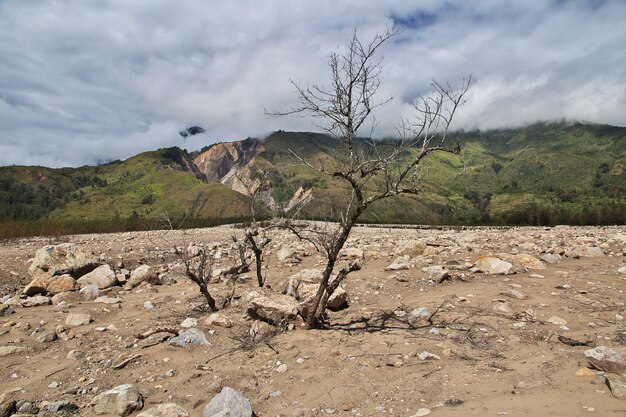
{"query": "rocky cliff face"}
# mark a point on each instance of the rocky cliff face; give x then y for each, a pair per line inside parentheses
(223, 162)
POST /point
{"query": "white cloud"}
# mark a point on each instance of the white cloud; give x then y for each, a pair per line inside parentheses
(81, 81)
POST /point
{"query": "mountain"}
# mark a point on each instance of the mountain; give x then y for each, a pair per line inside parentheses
(545, 173)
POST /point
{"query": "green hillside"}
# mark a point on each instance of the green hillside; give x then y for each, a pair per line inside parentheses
(541, 174)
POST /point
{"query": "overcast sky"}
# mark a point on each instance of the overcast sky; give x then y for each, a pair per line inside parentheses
(89, 80)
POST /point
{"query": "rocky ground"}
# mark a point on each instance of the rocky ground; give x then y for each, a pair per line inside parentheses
(477, 322)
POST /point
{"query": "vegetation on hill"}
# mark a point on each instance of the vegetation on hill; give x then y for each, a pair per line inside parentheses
(543, 174)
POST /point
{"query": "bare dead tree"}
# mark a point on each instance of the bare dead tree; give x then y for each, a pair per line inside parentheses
(255, 237)
(343, 109)
(198, 263)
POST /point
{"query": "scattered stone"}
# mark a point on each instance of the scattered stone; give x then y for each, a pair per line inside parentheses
(10, 350)
(193, 336)
(36, 301)
(518, 295)
(607, 359)
(46, 337)
(189, 322)
(148, 305)
(500, 307)
(77, 319)
(143, 273)
(228, 403)
(62, 405)
(38, 285)
(557, 321)
(528, 261)
(108, 300)
(493, 266)
(399, 264)
(165, 410)
(410, 248)
(102, 277)
(425, 355)
(218, 319)
(528, 385)
(421, 412)
(121, 400)
(421, 313)
(586, 252)
(75, 354)
(551, 258)
(622, 270)
(124, 359)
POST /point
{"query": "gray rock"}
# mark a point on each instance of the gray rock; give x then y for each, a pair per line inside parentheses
(36, 301)
(421, 313)
(65, 258)
(551, 258)
(193, 336)
(143, 273)
(165, 410)
(46, 337)
(77, 319)
(120, 400)
(102, 277)
(617, 386)
(228, 403)
(189, 322)
(399, 264)
(607, 359)
(493, 266)
(89, 292)
(586, 252)
(62, 405)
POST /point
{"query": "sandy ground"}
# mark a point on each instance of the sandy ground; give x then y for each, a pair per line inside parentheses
(367, 363)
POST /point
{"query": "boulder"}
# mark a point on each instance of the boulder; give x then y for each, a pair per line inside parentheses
(551, 258)
(399, 264)
(586, 252)
(89, 292)
(65, 258)
(306, 292)
(228, 403)
(493, 266)
(218, 319)
(607, 359)
(269, 306)
(38, 285)
(165, 410)
(617, 385)
(529, 261)
(121, 400)
(36, 301)
(61, 283)
(143, 273)
(77, 319)
(193, 336)
(102, 277)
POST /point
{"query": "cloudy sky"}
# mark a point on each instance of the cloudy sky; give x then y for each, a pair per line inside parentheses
(89, 80)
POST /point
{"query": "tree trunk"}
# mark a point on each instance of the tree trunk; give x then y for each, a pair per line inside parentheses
(210, 301)
(314, 318)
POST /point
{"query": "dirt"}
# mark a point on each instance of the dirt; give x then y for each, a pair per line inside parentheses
(367, 362)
